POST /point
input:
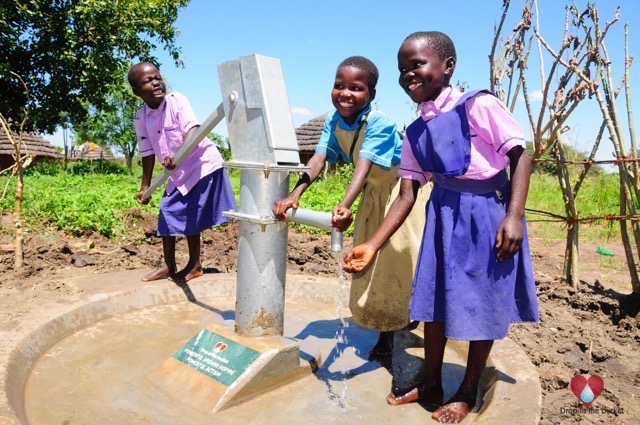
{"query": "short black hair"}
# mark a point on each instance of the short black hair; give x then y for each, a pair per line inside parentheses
(438, 41)
(133, 71)
(360, 62)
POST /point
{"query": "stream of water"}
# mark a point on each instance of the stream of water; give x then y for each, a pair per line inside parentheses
(341, 337)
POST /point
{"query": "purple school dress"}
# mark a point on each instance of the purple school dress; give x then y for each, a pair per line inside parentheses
(198, 210)
(198, 190)
(459, 280)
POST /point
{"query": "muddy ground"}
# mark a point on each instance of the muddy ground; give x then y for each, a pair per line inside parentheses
(591, 331)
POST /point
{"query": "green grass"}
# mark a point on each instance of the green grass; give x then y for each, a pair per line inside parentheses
(326, 193)
(83, 204)
(78, 204)
(599, 196)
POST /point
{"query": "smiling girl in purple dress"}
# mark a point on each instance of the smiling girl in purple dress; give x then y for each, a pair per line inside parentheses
(474, 275)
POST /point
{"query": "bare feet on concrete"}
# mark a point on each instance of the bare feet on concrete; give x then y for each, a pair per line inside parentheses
(452, 413)
(186, 274)
(431, 397)
(455, 410)
(159, 273)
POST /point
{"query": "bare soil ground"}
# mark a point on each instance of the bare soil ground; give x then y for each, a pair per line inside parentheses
(594, 330)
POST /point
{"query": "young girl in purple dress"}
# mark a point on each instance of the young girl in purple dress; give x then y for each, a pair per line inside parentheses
(198, 191)
(474, 275)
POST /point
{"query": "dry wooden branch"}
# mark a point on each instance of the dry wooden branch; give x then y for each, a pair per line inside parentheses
(627, 87)
(18, 172)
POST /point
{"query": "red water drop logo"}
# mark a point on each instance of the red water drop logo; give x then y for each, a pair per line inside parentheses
(587, 390)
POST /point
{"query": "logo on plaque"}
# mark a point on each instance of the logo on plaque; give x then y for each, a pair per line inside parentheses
(219, 347)
(216, 356)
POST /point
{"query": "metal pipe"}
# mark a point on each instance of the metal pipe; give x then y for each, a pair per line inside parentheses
(336, 241)
(317, 219)
(321, 220)
(262, 255)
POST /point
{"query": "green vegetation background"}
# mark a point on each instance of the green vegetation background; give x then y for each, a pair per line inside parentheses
(97, 197)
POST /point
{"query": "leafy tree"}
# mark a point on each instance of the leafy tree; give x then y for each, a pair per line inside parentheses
(113, 124)
(58, 56)
(70, 52)
(222, 143)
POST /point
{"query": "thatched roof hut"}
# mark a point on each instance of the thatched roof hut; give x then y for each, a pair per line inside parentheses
(32, 145)
(308, 135)
(89, 151)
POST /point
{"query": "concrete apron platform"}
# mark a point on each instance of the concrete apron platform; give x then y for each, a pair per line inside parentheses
(93, 359)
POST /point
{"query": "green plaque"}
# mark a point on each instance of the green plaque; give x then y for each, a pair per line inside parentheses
(216, 356)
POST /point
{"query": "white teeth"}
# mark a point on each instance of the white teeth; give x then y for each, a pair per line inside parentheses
(413, 86)
(345, 104)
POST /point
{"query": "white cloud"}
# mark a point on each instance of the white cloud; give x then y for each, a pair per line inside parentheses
(534, 96)
(302, 111)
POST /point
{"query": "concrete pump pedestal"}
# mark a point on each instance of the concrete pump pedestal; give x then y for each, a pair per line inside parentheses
(101, 357)
(199, 378)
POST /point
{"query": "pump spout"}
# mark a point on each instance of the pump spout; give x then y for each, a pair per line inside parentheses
(336, 241)
(320, 220)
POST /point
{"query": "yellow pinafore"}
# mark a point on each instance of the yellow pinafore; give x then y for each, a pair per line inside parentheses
(380, 294)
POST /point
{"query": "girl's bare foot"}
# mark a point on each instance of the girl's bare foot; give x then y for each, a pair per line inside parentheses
(186, 274)
(432, 397)
(159, 273)
(452, 413)
(455, 410)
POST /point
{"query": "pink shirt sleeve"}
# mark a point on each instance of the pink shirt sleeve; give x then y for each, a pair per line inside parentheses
(204, 159)
(494, 132)
(144, 144)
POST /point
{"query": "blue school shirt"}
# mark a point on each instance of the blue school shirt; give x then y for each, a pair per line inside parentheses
(382, 144)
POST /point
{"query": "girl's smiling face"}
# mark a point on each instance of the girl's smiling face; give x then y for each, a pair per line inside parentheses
(423, 75)
(351, 93)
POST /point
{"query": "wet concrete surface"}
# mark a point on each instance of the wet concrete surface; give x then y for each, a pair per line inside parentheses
(104, 371)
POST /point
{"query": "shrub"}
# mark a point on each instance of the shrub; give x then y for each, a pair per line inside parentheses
(98, 166)
(45, 167)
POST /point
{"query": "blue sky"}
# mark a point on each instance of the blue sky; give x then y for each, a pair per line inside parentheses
(311, 38)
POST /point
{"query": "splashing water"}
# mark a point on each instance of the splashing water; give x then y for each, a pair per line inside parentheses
(340, 305)
(342, 340)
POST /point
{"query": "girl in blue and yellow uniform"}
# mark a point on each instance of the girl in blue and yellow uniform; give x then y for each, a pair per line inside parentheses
(365, 137)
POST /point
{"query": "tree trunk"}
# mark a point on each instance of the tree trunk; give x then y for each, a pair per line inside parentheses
(129, 159)
(17, 215)
(571, 258)
(628, 250)
(571, 268)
